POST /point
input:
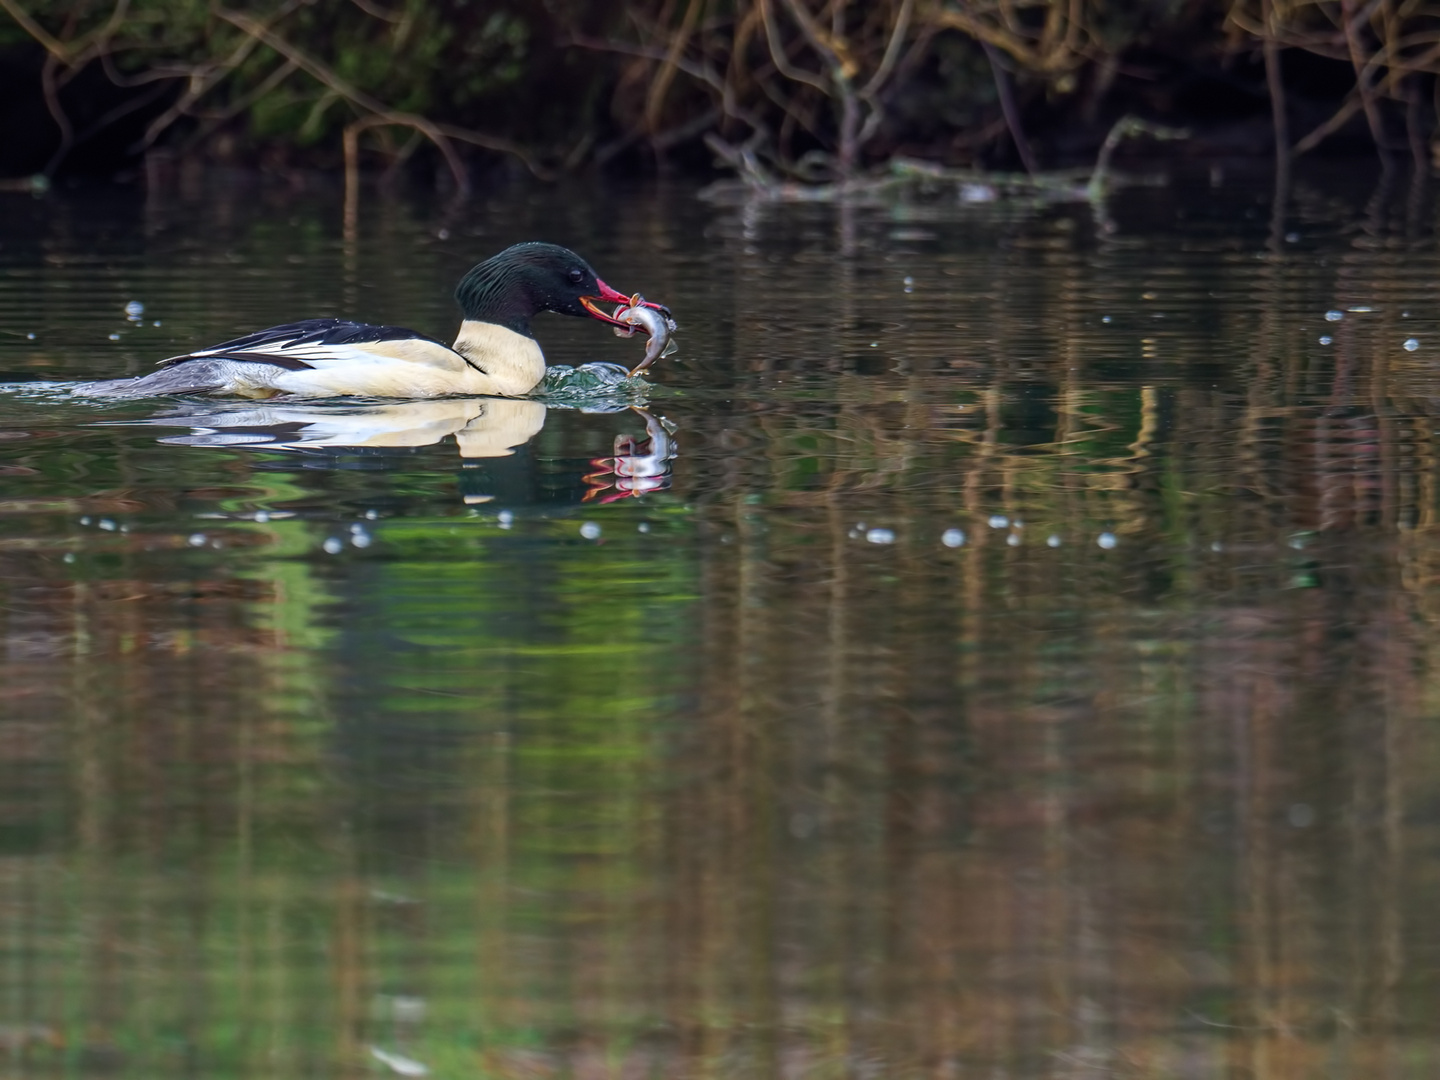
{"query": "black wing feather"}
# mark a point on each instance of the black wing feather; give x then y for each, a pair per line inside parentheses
(304, 332)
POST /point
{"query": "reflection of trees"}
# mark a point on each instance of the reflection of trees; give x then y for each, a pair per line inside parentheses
(753, 794)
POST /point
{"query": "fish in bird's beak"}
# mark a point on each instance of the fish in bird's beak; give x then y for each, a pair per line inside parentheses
(610, 296)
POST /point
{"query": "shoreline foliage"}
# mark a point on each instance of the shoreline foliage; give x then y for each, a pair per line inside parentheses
(812, 90)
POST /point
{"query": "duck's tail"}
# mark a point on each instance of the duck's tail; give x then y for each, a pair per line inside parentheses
(198, 376)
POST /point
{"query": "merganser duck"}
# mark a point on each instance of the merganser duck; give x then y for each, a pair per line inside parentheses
(494, 354)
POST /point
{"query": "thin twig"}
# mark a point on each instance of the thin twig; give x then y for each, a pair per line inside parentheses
(1010, 109)
(1275, 81)
(53, 45)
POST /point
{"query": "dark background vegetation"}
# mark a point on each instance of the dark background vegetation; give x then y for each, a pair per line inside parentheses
(813, 89)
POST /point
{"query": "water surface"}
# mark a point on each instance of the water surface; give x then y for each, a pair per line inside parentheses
(1024, 666)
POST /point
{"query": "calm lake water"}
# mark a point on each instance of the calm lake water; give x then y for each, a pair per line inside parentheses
(1023, 663)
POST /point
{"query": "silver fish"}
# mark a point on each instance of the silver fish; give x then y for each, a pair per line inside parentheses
(657, 324)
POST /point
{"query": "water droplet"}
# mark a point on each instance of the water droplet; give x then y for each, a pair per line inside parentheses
(880, 536)
(1217, 546)
(909, 281)
(114, 337)
(1053, 540)
(1013, 539)
(643, 527)
(106, 524)
(953, 538)
(590, 531)
(1326, 339)
(134, 309)
(1106, 319)
(333, 545)
(85, 520)
(874, 344)
(30, 336)
(1411, 344)
(1334, 316)
(372, 515)
(505, 518)
(69, 556)
(859, 526)
(1106, 540)
(360, 539)
(998, 521)
(196, 540)
(155, 323)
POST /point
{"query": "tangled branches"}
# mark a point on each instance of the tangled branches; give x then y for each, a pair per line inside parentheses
(815, 90)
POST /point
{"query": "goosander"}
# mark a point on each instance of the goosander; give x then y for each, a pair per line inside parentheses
(494, 354)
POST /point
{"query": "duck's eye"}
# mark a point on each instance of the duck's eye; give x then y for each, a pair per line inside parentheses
(576, 276)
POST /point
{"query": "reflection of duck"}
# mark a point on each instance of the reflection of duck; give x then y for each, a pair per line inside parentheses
(639, 466)
(483, 427)
(494, 354)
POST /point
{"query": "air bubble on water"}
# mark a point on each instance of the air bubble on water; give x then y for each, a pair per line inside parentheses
(1334, 316)
(506, 518)
(1411, 344)
(85, 520)
(1105, 318)
(106, 524)
(114, 337)
(880, 536)
(1053, 540)
(1106, 540)
(443, 234)
(1217, 546)
(155, 323)
(30, 336)
(359, 538)
(643, 527)
(372, 515)
(1326, 339)
(953, 538)
(69, 556)
(196, 540)
(333, 545)
(874, 344)
(998, 521)
(133, 310)
(262, 516)
(1013, 539)
(859, 527)
(590, 531)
